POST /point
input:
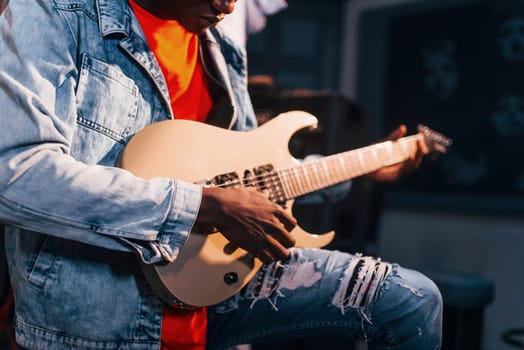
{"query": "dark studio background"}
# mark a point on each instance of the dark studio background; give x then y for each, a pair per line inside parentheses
(365, 66)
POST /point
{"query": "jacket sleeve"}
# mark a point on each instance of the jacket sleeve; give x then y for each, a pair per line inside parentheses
(43, 188)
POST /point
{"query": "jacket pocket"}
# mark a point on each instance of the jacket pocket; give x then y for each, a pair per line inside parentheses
(107, 108)
(44, 261)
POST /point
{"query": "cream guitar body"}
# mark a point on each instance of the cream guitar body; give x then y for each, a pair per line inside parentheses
(208, 268)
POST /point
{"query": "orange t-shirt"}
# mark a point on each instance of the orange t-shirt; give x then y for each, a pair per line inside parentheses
(176, 51)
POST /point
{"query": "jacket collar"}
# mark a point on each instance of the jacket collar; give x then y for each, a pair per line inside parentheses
(113, 17)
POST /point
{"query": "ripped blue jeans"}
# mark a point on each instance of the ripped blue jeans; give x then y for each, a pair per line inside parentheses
(328, 293)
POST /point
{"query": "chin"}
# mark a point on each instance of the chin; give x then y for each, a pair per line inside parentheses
(198, 26)
(199, 30)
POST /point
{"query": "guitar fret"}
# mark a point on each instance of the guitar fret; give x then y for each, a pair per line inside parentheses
(352, 161)
(300, 182)
(316, 176)
(334, 175)
(307, 182)
(330, 174)
(304, 180)
(297, 181)
(361, 160)
(294, 184)
(373, 157)
(383, 156)
(325, 168)
(342, 162)
(404, 149)
(289, 190)
(285, 185)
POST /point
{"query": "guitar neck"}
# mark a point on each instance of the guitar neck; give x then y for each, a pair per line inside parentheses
(331, 170)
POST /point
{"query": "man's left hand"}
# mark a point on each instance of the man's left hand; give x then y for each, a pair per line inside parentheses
(395, 172)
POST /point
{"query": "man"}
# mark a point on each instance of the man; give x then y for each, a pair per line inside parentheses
(78, 78)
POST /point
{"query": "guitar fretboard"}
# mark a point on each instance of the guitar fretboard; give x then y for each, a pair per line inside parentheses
(331, 170)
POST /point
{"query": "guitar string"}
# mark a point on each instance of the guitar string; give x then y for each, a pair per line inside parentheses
(275, 174)
(260, 181)
(334, 157)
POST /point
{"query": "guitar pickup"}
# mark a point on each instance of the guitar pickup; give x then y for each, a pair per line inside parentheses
(226, 180)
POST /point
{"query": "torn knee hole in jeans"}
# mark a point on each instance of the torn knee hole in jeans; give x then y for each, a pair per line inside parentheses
(278, 276)
(361, 283)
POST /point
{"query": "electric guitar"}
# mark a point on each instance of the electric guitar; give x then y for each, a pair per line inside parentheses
(208, 268)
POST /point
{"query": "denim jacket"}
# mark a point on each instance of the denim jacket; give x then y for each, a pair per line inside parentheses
(77, 81)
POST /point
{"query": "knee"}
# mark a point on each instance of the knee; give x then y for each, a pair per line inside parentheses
(412, 303)
(408, 312)
(424, 301)
(431, 303)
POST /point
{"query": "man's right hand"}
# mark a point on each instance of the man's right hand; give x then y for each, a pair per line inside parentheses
(249, 220)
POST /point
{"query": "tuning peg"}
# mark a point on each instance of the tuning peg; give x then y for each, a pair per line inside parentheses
(437, 140)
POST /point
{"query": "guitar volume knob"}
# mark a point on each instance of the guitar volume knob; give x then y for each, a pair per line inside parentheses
(231, 278)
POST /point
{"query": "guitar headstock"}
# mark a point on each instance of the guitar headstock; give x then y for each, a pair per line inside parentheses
(436, 142)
